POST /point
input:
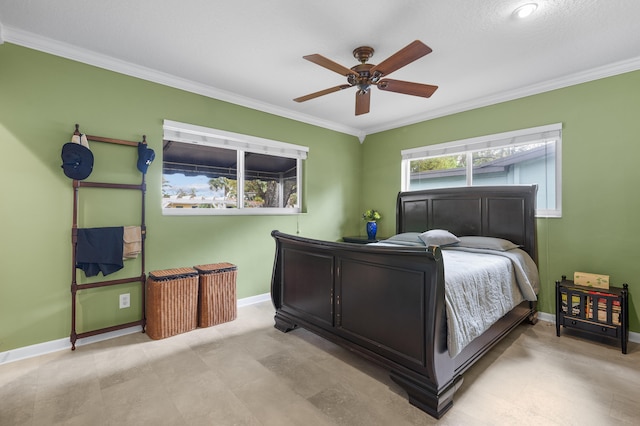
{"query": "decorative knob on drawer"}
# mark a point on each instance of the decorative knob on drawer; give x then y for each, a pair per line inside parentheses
(604, 329)
(573, 322)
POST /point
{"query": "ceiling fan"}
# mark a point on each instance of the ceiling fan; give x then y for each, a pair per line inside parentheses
(364, 75)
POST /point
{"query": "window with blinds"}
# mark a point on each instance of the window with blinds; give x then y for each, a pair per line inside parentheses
(527, 156)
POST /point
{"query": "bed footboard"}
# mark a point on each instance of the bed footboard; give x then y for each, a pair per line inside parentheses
(385, 303)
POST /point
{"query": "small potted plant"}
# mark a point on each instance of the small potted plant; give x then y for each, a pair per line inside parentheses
(371, 216)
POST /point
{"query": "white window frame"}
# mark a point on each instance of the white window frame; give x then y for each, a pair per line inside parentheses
(199, 135)
(551, 132)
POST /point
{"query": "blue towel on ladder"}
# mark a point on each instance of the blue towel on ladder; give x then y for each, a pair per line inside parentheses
(99, 250)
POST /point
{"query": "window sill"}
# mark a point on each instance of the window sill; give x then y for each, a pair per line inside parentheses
(231, 212)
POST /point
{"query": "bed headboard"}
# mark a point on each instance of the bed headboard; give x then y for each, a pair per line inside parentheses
(493, 211)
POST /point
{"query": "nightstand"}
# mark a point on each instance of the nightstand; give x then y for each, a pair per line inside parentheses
(361, 239)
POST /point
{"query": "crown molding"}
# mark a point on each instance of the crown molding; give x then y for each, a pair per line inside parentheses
(68, 51)
(609, 70)
(65, 50)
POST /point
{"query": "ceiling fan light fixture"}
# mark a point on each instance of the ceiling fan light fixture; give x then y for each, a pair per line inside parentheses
(363, 88)
(525, 10)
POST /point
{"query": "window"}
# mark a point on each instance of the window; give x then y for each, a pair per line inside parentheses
(529, 156)
(208, 171)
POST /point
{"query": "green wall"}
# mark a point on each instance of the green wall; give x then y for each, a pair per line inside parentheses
(600, 175)
(42, 96)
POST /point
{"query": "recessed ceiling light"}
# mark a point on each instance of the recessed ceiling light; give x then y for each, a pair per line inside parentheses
(525, 10)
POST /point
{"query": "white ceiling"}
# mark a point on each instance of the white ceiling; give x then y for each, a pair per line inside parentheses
(250, 51)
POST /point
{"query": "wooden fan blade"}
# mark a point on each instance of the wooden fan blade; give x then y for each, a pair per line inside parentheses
(322, 92)
(404, 56)
(363, 100)
(329, 64)
(407, 87)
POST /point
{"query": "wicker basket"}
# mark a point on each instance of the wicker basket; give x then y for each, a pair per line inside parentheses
(171, 302)
(217, 295)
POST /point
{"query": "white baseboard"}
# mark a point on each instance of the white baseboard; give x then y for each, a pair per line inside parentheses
(65, 344)
(252, 300)
(543, 316)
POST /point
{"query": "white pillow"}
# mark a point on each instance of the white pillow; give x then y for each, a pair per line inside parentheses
(411, 237)
(438, 237)
(489, 243)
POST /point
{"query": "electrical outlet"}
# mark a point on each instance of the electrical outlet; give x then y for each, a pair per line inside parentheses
(125, 300)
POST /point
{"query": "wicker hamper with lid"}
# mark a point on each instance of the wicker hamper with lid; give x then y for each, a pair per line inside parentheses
(171, 302)
(217, 295)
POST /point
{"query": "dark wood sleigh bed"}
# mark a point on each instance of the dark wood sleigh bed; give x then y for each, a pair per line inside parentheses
(388, 304)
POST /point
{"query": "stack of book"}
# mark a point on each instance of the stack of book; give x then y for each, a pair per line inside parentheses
(575, 304)
(601, 314)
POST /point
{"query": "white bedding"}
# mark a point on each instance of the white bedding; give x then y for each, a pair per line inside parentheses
(481, 286)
